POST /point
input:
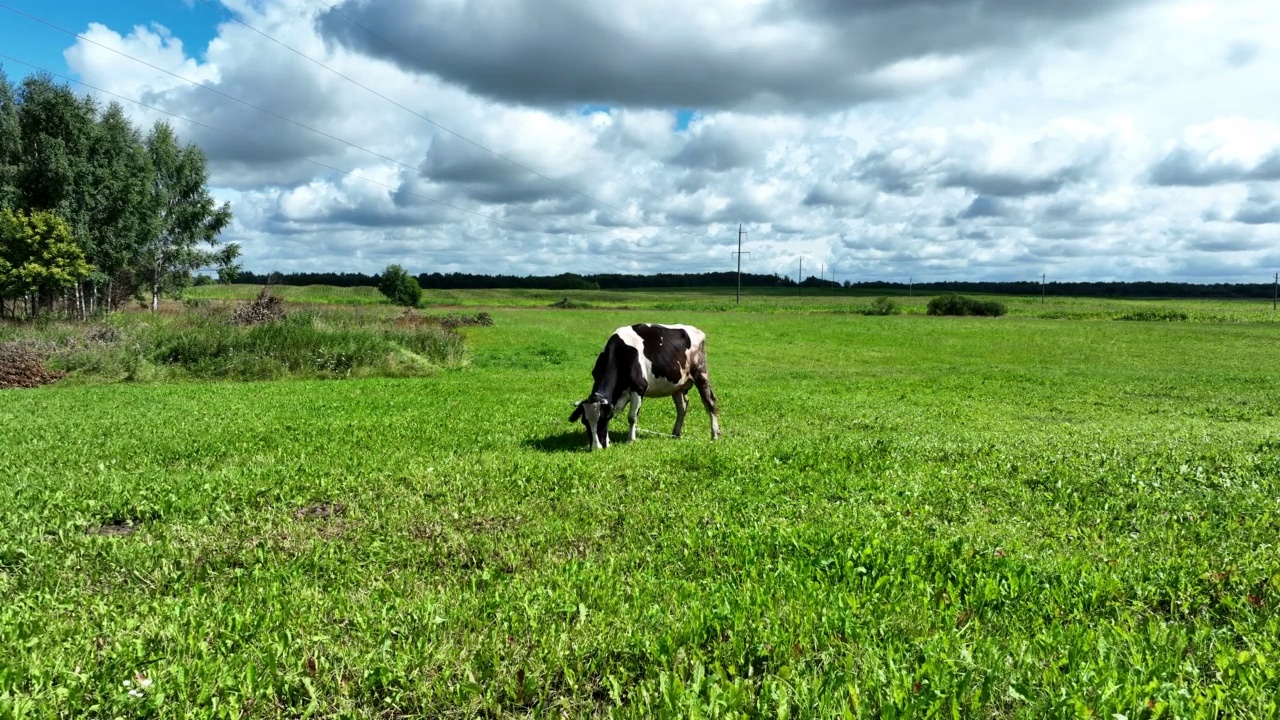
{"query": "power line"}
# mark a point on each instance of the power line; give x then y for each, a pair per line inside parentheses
(227, 132)
(267, 112)
(456, 134)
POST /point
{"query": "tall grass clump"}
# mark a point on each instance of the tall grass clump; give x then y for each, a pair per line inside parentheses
(1158, 315)
(882, 306)
(953, 304)
(309, 344)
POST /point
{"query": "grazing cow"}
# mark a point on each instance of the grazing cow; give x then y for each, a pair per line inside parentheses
(642, 361)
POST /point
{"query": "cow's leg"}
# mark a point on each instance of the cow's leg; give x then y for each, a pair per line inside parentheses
(634, 415)
(708, 399)
(682, 407)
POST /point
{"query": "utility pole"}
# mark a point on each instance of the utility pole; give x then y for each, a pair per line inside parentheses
(1042, 288)
(1276, 296)
(910, 287)
(741, 232)
(800, 279)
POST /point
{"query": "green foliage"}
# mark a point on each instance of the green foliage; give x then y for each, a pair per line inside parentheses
(137, 208)
(1050, 519)
(953, 304)
(37, 254)
(400, 287)
(883, 306)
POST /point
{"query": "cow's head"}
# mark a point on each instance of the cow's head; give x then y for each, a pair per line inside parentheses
(595, 413)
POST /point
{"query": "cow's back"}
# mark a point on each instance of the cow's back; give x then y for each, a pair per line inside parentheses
(667, 354)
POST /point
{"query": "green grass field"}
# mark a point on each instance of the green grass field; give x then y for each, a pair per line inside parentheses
(908, 516)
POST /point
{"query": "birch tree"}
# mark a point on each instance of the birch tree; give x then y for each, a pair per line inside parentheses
(185, 219)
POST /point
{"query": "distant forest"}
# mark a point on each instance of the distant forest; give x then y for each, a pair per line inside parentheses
(570, 281)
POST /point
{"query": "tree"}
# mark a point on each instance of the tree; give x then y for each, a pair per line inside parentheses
(185, 220)
(119, 212)
(228, 268)
(38, 258)
(10, 144)
(56, 132)
(400, 287)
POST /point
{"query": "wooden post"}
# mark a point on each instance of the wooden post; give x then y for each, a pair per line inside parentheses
(741, 232)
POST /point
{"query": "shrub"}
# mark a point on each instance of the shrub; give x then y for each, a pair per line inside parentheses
(953, 304)
(567, 304)
(400, 287)
(882, 306)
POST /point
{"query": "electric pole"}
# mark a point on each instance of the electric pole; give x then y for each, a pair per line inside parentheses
(1042, 275)
(1276, 296)
(910, 287)
(741, 232)
(800, 279)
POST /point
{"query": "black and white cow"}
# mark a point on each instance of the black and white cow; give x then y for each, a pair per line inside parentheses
(641, 361)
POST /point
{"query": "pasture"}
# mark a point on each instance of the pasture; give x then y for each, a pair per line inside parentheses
(907, 516)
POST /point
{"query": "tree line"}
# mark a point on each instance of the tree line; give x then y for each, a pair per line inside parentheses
(563, 281)
(93, 212)
(571, 281)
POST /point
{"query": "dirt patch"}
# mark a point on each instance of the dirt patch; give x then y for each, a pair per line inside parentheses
(323, 511)
(112, 530)
(487, 525)
(22, 367)
(428, 531)
(411, 319)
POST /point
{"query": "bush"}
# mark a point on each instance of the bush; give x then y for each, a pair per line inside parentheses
(953, 304)
(882, 306)
(400, 287)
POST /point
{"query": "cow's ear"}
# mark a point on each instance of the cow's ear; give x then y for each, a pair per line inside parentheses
(577, 413)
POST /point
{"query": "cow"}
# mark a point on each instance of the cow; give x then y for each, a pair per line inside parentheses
(646, 360)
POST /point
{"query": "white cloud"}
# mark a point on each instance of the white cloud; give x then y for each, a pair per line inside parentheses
(1133, 141)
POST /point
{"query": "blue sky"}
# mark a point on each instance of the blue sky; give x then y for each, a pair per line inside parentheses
(39, 44)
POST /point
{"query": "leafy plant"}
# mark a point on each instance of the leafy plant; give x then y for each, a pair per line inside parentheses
(37, 255)
(400, 287)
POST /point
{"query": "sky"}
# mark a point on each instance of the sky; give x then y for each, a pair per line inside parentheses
(879, 140)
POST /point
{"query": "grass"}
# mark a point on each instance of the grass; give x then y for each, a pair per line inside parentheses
(767, 301)
(908, 516)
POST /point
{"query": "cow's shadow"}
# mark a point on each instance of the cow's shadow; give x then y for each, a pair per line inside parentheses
(573, 441)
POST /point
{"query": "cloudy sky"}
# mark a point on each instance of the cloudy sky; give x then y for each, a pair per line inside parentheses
(934, 139)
